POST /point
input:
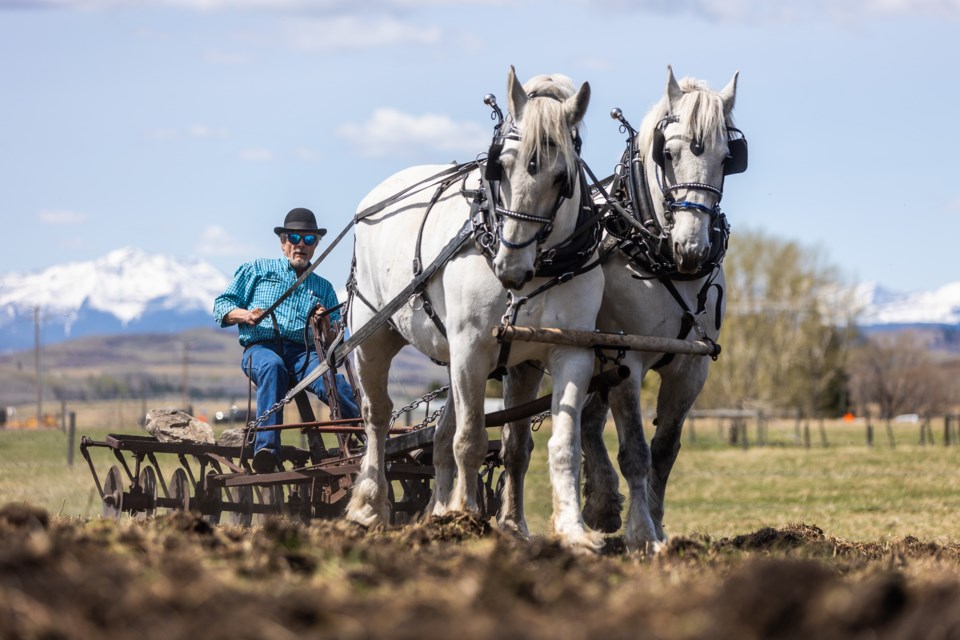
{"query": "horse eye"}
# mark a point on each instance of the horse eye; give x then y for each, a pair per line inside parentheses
(667, 155)
(532, 167)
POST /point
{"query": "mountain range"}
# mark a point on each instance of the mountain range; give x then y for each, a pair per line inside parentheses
(129, 291)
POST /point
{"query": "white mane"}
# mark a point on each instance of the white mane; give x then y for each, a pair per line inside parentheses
(544, 123)
(699, 111)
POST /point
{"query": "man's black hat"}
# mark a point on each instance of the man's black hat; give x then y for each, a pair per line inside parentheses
(300, 220)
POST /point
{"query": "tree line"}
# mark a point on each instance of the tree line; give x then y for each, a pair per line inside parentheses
(790, 341)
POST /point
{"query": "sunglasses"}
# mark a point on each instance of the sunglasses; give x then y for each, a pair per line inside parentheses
(295, 238)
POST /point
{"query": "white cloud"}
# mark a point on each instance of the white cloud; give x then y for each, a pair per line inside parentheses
(200, 131)
(786, 11)
(215, 240)
(61, 217)
(257, 155)
(355, 32)
(391, 132)
(728, 10)
(203, 131)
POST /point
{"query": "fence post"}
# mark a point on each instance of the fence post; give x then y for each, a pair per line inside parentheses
(946, 430)
(890, 436)
(71, 437)
(823, 433)
(869, 430)
(743, 432)
(806, 434)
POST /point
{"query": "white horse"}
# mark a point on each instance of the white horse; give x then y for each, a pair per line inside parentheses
(667, 282)
(534, 187)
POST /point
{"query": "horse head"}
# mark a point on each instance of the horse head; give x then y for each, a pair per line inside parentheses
(691, 140)
(536, 197)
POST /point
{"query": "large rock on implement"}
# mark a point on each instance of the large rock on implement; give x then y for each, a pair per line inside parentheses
(232, 437)
(171, 425)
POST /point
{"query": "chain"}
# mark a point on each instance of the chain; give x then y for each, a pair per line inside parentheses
(255, 424)
(537, 420)
(427, 397)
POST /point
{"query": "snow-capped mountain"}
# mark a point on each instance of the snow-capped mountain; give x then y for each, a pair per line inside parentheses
(126, 291)
(883, 307)
(131, 291)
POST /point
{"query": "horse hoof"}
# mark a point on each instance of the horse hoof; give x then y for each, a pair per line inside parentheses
(585, 543)
(603, 522)
(516, 530)
(367, 515)
(604, 516)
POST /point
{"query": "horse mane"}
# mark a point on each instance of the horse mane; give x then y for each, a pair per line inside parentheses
(699, 111)
(544, 123)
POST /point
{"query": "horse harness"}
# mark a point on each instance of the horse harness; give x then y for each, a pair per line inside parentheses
(630, 218)
(487, 213)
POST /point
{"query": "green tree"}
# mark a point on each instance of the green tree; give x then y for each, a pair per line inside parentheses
(788, 322)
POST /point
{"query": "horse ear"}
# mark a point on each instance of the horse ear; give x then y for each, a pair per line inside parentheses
(575, 107)
(729, 94)
(674, 92)
(516, 96)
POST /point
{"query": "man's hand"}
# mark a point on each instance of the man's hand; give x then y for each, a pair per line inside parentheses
(244, 316)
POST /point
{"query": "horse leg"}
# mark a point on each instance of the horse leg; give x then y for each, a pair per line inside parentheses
(468, 375)
(444, 465)
(571, 369)
(634, 460)
(603, 501)
(679, 387)
(519, 386)
(369, 503)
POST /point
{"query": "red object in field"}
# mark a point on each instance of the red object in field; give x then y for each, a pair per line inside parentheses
(848, 417)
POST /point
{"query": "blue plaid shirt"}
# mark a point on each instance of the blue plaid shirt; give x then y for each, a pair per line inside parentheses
(259, 284)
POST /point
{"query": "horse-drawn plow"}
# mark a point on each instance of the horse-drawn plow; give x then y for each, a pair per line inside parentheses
(214, 480)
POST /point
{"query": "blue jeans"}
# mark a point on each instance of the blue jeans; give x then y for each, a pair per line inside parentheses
(272, 368)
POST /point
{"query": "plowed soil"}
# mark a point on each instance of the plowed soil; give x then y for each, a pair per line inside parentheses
(178, 577)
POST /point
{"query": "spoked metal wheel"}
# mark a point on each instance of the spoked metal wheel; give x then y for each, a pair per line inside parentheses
(180, 490)
(490, 494)
(211, 501)
(271, 496)
(409, 495)
(113, 493)
(242, 499)
(148, 488)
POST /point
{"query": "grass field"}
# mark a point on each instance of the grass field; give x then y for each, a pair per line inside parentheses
(846, 488)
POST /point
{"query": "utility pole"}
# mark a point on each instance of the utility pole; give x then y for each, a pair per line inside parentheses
(185, 404)
(36, 357)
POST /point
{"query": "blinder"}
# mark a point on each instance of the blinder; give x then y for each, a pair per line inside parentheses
(736, 161)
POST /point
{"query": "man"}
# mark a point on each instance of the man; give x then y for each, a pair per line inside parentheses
(274, 350)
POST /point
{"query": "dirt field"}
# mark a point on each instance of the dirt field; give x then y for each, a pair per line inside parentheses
(177, 577)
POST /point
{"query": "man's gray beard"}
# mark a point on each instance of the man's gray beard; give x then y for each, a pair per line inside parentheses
(299, 263)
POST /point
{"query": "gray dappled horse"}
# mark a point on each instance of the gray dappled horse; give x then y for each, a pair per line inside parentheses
(665, 281)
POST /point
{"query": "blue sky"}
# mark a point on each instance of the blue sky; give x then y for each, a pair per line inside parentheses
(190, 127)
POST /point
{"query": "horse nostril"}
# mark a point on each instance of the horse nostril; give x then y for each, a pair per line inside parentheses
(527, 277)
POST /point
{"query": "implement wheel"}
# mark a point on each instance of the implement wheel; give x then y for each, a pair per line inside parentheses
(113, 494)
(242, 498)
(148, 487)
(180, 490)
